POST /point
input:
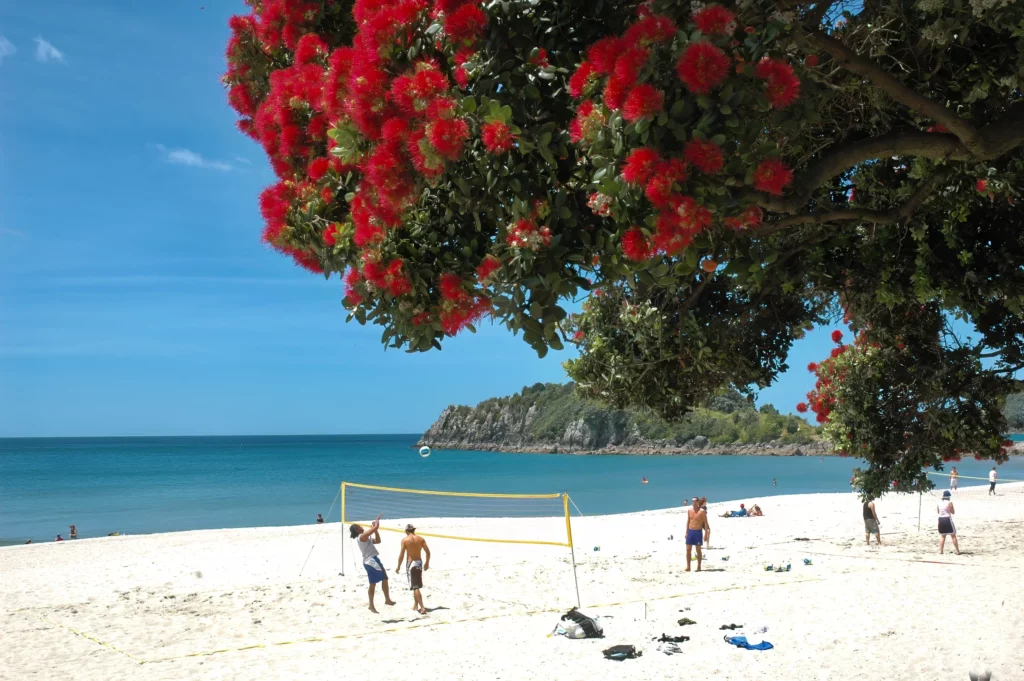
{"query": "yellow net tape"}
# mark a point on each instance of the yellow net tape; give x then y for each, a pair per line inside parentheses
(559, 507)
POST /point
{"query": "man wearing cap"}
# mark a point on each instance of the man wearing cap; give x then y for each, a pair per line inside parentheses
(368, 540)
(413, 546)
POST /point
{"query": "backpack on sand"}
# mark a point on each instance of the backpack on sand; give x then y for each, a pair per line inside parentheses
(622, 653)
(575, 624)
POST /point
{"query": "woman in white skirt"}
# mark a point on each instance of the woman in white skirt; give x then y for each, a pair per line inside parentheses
(946, 526)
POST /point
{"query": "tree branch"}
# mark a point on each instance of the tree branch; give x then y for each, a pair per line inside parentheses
(898, 214)
(910, 98)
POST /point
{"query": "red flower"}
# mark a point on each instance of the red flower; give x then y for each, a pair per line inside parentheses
(581, 79)
(465, 24)
(588, 121)
(395, 280)
(703, 67)
(447, 136)
(450, 285)
(578, 337)
(812, 367)
(707, 156)
(715, 20)
(330, 235)
(640, 165)
(821, 418)
(659, 189)
(643, 102)
(352, 279)
(938, 128)
(628, 65)
(772, 176)
(318, 168)
(615, 92)
(602, 54)
(461, 76)
(783, 87)
(811, 60)
(310, 47)
(526, 234)
(837, 351)
(487, 267)
(981, 186)
(653, 28)
(635, 245)
(837, 336)
(802, 407)
(540, 60)
(497, 137)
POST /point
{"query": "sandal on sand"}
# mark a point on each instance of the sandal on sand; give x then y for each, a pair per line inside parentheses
(731, 626)
(686, 620)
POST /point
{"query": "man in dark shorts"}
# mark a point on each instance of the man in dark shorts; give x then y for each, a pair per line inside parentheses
(413, 548)
(992, 475)
(367, 542)
(871, 525)
(696, 524)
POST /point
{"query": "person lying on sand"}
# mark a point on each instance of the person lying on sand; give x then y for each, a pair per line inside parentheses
(756, 511)
(368, 540)
(736, 514)
(413, 544)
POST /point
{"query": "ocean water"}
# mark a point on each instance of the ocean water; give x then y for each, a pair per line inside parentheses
(145, 485)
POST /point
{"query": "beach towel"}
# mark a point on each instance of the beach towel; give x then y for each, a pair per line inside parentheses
(669, 648)
(622, 652)
(741, 642)
(574, 624)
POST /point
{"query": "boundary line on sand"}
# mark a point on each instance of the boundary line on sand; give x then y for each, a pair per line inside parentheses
(320, 639)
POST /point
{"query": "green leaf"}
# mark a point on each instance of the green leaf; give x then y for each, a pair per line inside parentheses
(469, 104)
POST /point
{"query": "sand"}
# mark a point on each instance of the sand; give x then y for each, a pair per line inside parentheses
(147, 607)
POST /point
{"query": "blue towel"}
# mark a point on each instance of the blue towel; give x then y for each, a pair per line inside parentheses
(741, 642)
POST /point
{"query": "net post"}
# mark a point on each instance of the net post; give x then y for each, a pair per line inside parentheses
(342, 529)
(919, 495)
(572, 549)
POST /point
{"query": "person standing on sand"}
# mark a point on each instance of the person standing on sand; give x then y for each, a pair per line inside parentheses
(992, 475)
(707, 525)
(74, 532)
(319, 519)
(696, 523)
(954, 478)
(412, 546)
(368, 540)
(946, 526)
(871, 524)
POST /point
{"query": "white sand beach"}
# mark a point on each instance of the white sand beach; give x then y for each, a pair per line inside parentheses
(148, 607)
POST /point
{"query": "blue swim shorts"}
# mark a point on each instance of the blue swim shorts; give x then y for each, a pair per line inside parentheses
(375, 570)
(694, 537)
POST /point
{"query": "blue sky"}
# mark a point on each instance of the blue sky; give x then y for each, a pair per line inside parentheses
(135, 296)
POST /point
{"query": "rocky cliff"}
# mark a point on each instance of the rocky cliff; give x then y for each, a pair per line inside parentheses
(550, 418)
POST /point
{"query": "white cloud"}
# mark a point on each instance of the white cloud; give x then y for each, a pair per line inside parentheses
(7, 48)
(46, 52)
(187, 157)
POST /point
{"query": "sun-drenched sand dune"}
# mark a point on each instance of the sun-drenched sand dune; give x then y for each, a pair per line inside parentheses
(146, 607)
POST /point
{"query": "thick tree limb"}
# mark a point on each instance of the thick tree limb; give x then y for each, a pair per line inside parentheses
(909, 97)
(898, 214)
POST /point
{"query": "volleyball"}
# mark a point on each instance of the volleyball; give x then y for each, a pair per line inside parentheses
(424, 452)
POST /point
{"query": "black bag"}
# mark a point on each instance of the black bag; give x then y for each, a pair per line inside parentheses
(622, 653)
(591, 628)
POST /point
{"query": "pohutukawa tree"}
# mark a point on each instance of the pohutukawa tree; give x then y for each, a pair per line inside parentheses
(712, 179)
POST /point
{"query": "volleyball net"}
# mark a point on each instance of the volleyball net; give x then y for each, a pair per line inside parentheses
(467, 516)
(970, 486)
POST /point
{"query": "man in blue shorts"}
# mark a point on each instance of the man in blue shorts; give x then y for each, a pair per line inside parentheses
(696, 524)
(368, 540)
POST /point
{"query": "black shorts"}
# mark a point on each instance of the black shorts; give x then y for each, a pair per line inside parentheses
(991, 487)
(415, 576)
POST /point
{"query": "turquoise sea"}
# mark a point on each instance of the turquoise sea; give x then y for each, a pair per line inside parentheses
(163, 484)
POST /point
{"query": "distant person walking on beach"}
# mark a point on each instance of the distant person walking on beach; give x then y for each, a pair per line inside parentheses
(954, 478)
(696, 523)
(946, 526)
(413, 548)
(992, 475)
(871, 522)
(368, 540)
(707, 525)
(74, 532)
(319, 519)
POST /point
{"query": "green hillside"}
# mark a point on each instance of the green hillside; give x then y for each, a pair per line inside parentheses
(729, 419)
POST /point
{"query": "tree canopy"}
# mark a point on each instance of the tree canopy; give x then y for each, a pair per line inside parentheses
(711, 180)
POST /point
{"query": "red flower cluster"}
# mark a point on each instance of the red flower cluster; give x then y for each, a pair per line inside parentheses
(588, 122)
(715, 20)
(540, 60)
(497, 137)
(981, 186)
(527, 235)
(458, 308)
(640, 165)
(772, 176)
(707, 156)
(703, 67)
(782, 85)
(643, 102)
(635, 245)
(486, 268)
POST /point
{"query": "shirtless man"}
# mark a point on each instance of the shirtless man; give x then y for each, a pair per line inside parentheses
(412, 545)
(696, 523)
